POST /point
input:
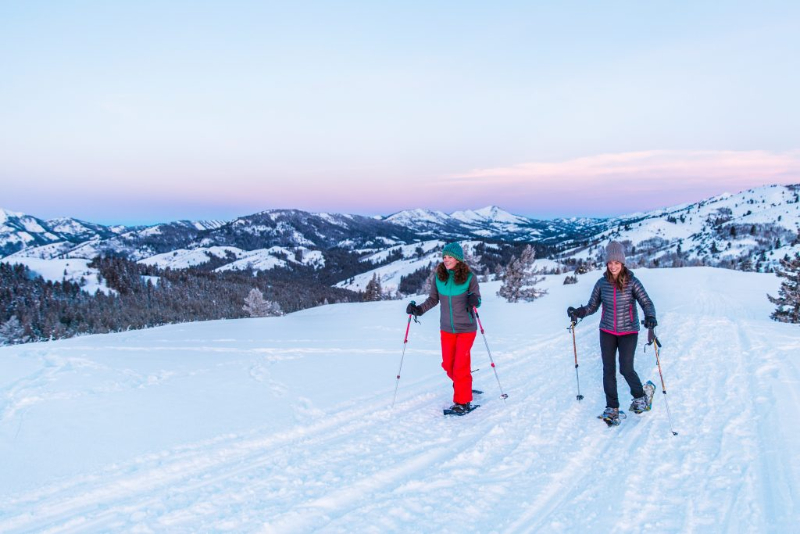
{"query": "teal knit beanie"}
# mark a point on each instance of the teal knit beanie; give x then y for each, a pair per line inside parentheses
(454, 250)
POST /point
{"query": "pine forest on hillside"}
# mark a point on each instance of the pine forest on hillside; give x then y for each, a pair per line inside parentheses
(185, 271)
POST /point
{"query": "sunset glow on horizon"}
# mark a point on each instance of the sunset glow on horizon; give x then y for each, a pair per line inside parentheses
(152, 112)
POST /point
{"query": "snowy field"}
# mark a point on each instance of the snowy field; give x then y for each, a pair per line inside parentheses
(283, 424)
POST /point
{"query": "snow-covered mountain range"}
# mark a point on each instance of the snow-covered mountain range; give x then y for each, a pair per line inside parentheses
(492, 223)
(68, 237)
(750, 230)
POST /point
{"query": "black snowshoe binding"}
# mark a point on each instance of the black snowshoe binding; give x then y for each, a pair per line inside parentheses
(460, 409)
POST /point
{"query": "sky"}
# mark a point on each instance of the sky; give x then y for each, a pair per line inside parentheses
(144, 112)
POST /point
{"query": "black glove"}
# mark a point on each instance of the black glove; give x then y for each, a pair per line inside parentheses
(650, 322)
(473, 301)
(576, 313)
(413, 309)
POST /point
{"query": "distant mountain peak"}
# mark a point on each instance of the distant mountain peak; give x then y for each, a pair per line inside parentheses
(6, 215)
(418, 215)
(489, 214)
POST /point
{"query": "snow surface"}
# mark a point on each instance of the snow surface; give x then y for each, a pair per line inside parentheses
(259, 259)
(772, 204)
(7, 214)
(391, 275)
(266, 259)
(183, 258)
(488, 214)
(70, 270)
(45, 252)
(283, 424)
(415, 216)
(66, 225)
(408, 251)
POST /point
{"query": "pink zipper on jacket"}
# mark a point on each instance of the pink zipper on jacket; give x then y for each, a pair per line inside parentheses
(615, 307)
(615, 333)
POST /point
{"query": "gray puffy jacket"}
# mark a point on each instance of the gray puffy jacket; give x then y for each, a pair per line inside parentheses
(620, 314)
(455, 317)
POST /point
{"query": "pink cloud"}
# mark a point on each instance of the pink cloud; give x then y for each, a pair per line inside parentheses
(624, 182)
(691, 165)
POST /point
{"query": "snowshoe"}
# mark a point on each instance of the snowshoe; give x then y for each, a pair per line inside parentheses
(460, 409)
(612, 416)
(649, 391)
(645, 403)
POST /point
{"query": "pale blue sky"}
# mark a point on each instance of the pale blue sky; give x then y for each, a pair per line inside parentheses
(148, 111)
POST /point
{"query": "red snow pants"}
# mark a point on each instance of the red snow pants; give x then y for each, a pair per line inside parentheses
(457, 365)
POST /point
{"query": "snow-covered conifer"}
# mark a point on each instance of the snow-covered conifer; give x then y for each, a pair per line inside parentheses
(12, 332)
(256, 306)
(788, 300)
(426, 287)
(521, 278)
(472, 260)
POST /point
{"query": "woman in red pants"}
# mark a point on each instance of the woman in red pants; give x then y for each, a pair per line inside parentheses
(457, 290)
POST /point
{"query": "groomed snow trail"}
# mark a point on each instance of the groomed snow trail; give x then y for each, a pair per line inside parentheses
(330, 456)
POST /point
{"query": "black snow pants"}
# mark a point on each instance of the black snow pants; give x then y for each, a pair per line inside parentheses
(609, 344)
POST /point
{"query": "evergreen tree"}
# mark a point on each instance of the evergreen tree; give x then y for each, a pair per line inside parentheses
(373, 291)
(521, 277)
(512, 281)
(788, 300)
(429, 281)
(256, 306)
(12, 332)
(412, 284)
(473, 261)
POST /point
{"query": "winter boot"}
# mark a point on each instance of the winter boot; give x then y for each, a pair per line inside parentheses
(639, 405)
(460, 409)
(610, 416)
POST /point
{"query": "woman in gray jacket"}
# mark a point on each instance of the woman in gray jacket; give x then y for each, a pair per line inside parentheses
(457, 290)
(618, 291)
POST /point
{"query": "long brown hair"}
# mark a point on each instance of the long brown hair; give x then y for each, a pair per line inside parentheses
(622, 278)
(461, 271)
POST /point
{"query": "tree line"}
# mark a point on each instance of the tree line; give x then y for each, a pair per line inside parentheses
(141, 296)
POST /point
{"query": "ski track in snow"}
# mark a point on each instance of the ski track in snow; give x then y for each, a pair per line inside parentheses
(538, 462)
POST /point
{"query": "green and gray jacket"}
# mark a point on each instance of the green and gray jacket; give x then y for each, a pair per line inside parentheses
(455, 317)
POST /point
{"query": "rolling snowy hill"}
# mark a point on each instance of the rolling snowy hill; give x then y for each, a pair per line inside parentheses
(283, 424)
(750, 230)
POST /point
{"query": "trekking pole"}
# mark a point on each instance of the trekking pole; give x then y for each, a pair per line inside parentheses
(571, 328)
(405, 343)
(502, 394)
(656, 345)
